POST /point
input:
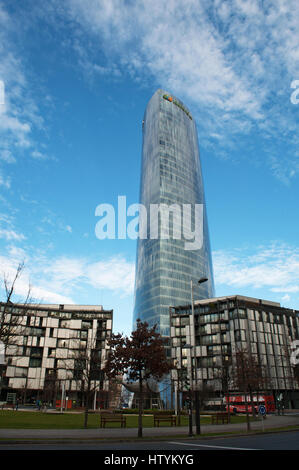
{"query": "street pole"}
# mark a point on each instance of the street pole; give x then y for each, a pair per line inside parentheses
(95, 400)
(192, 342)
(197, 412)
(62, 397)
(190, 414)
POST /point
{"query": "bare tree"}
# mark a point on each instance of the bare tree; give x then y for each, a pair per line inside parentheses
(224, 375)
(87, 372)
(248, 376)
(51, 384)
(11, 323)
(115, 392)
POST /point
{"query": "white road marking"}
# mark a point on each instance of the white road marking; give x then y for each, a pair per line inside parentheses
(213, 447)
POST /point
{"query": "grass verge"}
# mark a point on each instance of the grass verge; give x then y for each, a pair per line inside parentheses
(39, 420)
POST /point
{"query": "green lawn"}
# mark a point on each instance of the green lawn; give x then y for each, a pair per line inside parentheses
(38, 420)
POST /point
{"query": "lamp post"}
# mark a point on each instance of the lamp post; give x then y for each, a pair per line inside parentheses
(197, 402)
(189, 385)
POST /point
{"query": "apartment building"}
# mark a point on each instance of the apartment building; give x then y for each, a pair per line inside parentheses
(205, 339)
(55, 349)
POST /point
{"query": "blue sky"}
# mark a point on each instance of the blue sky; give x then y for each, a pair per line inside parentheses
(78, 75)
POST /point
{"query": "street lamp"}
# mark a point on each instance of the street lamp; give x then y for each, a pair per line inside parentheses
(197, 403)
(189, 346)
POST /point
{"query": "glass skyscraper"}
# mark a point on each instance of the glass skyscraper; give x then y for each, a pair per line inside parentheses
(170, 175)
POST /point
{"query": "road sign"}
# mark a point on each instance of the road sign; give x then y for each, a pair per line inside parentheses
(262, 410)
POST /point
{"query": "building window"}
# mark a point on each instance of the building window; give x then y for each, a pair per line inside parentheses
(21, 372)
(51, 352)
(35, 362)
(36, 352)
(237, 334)
(242, 313)
(86, 325)
(37, 331)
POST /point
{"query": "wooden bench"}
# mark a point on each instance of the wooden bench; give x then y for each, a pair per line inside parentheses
(164, 419)
(113, 418)
(7, 405)
(220, 417)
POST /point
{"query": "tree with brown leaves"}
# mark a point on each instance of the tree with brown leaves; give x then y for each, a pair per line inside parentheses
(140, 357)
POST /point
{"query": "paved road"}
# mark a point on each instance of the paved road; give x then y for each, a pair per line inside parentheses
(277, 441)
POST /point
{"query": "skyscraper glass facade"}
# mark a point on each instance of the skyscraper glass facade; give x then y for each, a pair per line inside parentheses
(170, 174)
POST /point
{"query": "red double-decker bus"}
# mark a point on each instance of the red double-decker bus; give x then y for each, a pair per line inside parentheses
(236, 403)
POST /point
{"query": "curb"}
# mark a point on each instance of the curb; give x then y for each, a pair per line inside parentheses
(87, 440)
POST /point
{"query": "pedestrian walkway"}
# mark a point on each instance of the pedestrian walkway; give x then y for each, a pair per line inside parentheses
(118, 434)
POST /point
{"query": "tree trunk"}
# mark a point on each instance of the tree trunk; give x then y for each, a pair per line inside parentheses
(179, 406)
(247, 413)
(140, 406)
(228, 406)
(86, 414)
(87, 397)
(252, 403)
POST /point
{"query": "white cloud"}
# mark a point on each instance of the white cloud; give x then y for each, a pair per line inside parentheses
(4, 180)
(52, 220)
(69, 274)
(274, 268)
(19, 115)
(226, 58)
(11, 235)
(291, 289)
(115, 274)
(38, 155)
(7, 229)
(7, 156)
(25, 286)
(60, 280)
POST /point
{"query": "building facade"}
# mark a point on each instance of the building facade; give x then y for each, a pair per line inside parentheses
(224, 325)
(170, 176)
(52, 349)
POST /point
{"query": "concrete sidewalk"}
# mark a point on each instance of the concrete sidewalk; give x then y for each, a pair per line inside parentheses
(118, 434)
